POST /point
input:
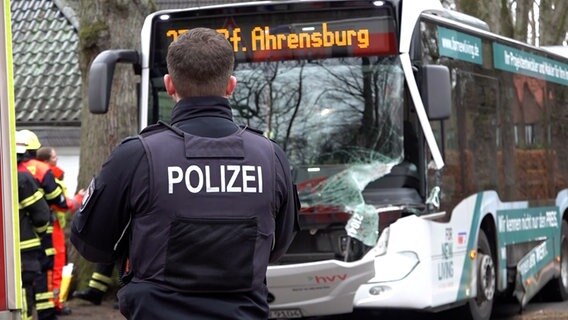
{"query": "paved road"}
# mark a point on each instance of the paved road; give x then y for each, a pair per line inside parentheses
(509, 311)
(82, 310)
(534, 311)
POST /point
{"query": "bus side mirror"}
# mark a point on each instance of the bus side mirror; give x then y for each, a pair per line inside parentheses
(101, 74)
(437, 91)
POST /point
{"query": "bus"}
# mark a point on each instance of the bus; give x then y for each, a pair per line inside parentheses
(428, 151)
(11, 299)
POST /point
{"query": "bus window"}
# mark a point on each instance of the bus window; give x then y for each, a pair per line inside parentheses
(498, 117)
(476, 115)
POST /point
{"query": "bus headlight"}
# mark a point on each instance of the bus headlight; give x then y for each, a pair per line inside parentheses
(396, 266)
(382, 243)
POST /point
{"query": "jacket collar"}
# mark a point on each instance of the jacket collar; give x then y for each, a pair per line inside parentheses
(195, 107)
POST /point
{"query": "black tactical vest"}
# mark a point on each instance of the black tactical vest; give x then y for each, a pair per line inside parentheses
(210, 226)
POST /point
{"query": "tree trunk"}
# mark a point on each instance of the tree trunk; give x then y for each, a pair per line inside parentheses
(106, 24)
(524, 7)
(495, 13)
(553, 22)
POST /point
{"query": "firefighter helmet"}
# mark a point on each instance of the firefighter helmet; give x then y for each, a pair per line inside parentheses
(20, 143)
(30, 139)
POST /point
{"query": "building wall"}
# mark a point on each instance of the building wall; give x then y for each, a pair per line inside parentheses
(68, 160)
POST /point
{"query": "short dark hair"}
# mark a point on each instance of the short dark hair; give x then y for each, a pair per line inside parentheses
(44, 153)
(200, 63)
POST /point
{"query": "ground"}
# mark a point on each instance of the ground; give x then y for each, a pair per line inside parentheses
(82, 310)
(550, 311)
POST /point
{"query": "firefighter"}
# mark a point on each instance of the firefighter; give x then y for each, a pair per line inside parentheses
(49, 156)
(98, 286)
(200, 206)
(34, 220)
(53, 193)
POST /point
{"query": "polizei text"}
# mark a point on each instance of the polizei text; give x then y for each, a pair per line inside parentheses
(231, 178)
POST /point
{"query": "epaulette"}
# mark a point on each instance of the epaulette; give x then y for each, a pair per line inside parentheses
(260, 132)
(128, 139)
(151, 129)
(256, 131)
(154, 128)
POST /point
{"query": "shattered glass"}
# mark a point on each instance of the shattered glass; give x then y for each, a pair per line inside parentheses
(339, 121)
(345, 188)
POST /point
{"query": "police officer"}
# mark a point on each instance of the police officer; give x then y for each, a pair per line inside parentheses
(202, 204)
(34, 220)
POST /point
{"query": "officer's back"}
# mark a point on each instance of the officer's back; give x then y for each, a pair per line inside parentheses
(204, 203)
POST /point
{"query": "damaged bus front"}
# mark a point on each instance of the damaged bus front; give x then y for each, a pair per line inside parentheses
(333, 84)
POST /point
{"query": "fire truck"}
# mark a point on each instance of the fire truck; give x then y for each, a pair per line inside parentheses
(10, 283)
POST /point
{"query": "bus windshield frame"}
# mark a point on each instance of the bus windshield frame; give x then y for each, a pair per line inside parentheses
(335, 103)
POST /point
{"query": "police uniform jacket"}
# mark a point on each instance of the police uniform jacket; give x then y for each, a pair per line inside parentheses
(204, 204)
(34, 220)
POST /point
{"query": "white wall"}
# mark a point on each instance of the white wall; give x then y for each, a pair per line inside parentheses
(68, 161)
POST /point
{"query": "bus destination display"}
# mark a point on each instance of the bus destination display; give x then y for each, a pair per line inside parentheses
(339, 38)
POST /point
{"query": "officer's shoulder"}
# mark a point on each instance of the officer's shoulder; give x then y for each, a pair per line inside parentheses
(128, 139)
(253, 130)
(128, 145)
(277, 148)
(257, 132)
(149, 130)
(154, 128)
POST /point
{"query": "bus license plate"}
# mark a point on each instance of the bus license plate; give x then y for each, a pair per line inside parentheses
(285, 313)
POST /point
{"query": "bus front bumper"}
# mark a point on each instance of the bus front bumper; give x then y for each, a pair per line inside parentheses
(316, 288)
(401, 282)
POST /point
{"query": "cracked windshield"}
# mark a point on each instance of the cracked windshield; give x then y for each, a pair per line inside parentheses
(338, 119)
(332, 98)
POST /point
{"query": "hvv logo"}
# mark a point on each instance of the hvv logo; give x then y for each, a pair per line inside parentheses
(320, 279)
